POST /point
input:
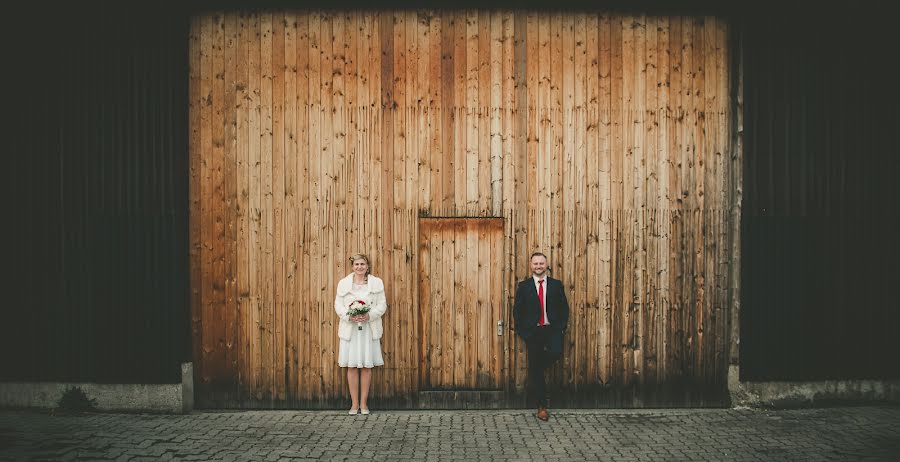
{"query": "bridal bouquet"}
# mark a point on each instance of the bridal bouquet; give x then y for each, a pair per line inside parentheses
(356, 308)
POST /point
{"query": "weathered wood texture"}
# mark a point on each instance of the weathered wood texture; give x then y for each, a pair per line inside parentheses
(460, 303)
(600, 139)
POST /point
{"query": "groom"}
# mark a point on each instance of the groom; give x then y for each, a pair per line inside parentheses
(541, 312)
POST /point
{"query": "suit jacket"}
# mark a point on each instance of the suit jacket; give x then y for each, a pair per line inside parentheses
(527, 310)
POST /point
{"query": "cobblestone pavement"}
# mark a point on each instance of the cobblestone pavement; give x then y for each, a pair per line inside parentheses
(836, 433)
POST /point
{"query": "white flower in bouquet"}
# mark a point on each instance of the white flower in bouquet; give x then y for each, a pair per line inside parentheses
(356, 308)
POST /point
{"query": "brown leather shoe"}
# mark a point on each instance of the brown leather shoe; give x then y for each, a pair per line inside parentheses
(542, 414)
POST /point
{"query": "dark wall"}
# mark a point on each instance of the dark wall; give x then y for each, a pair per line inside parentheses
(96, 177)
(821, 198)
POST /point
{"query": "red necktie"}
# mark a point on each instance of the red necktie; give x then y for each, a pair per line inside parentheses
(541, 299)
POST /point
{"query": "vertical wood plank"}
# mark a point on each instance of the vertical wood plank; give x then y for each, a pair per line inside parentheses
(578, 287)
(508, 116)
(498, 277)
(267, 232)
(664, 164)
(242, 101)
(424, 131)
(710, 196)
(565, 189)
(593, 211)
(434, 188)
(362, 111)
(484, 192)
(605, 193)
(533, 107)
(426, 345)
(649, 326)
(314, 116)
(217, 299)
(342, 169)
(400, 106)
(303, 177)
(413, 116)
(730, 188)
(232, 339)
(439, 323)
(217, 243)
(736, 186)
(195, 190)
(482, 284)
(373, 114)
(448, 91)
(617, 177)
(339, 115)
(254, 331)
(207, 323)
(556, 122)
(468, 234)
(276, 230)
(388, 116)
(469, 107)
(289, 236)
(686, 253)
(698, 239)
(449, 329)
(329, 215)
(676, 149)
(545, 156)
(495, 112)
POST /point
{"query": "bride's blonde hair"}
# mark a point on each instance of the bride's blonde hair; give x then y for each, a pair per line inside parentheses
(359, 256)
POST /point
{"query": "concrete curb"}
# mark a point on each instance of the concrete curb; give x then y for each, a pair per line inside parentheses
(806, 394)
(176, 398)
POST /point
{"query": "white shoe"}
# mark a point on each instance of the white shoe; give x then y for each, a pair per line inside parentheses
(364, 411)
(352, 412)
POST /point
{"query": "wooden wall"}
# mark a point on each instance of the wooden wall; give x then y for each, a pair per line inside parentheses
(604, 140)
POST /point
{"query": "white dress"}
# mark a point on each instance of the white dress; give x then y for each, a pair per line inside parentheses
(361, 350)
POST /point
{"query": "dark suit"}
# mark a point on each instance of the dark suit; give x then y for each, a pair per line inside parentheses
(545, 344)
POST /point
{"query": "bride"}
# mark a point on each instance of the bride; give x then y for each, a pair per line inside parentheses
(360, 335)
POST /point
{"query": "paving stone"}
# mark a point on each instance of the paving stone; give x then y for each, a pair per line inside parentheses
(869, 433)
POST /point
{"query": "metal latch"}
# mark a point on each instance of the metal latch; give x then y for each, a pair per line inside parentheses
(500, 327)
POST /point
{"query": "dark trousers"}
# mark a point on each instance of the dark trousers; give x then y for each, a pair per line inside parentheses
(540, 358)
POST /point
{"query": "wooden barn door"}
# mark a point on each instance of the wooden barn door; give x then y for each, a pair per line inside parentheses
(460, 294)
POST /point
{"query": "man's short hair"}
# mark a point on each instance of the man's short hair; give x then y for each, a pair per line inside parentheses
(536, 254)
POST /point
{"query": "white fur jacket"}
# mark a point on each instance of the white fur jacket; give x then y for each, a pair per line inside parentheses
(375, 299)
